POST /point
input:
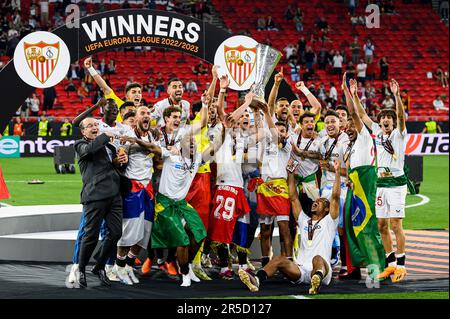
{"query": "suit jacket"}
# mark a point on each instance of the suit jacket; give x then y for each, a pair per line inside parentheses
(100, 178)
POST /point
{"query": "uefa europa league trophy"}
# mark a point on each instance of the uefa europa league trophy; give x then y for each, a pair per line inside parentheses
(266, 60)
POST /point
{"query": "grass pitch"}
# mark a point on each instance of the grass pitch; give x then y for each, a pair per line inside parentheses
(65, 189)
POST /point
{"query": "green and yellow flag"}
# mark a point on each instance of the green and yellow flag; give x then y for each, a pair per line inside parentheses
(364, 241)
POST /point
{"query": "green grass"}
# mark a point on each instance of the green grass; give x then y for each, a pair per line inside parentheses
(65, 189)
(435, 186)
(57, 189)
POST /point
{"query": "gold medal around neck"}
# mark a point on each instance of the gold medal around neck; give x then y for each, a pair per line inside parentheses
(394, 156)
(309, 243)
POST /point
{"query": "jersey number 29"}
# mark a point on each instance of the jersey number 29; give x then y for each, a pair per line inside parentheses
(227, 205)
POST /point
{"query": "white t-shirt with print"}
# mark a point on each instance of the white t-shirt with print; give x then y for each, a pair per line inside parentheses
(322, 239)
(177, 175)
(363, 151)
(160, 106)
(387, 161)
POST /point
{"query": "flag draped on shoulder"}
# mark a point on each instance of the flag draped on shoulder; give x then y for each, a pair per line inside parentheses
(364, 241)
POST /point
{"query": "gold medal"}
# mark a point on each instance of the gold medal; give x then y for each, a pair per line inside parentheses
(309, 243)
(394, 156)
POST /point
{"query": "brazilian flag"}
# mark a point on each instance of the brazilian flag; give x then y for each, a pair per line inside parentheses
(364, 241)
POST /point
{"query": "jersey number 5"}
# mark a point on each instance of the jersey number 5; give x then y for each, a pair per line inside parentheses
(228, 208)
(379, 201)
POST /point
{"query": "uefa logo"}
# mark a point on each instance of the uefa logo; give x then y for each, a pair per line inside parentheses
(236, 57)
(42, 59)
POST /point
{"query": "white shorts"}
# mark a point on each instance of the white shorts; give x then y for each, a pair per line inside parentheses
(268, 220)
(135, 231)
(305, 277)
(390, 202)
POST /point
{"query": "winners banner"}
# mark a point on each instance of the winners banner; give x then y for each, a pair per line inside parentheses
(42, 59)
(427, 144)
(126, 28)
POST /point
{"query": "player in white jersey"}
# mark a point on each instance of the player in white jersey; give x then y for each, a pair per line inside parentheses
(171, 135)
(273, 195)
(138, 202)
(360, 150)
(317, 234)
(332, 148)
(175, 90)
(305, 156)
(390, 139)
(302, 167)
(200, 193)
(290, 113)
(176, 223)
(360, 158)
(230, 210)
(133, 91)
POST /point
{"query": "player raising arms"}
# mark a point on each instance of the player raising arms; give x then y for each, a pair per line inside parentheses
(390, 139)
(290, 113)
(133, 91)
(316, 234)
(175, 90)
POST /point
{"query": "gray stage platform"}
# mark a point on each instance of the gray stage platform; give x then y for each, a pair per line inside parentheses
(47, 233)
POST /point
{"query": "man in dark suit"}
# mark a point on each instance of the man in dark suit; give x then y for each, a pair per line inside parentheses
(100, 196)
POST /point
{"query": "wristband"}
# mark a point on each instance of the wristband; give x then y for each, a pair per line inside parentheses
(305, 90)
(223, 90)
(92, 71)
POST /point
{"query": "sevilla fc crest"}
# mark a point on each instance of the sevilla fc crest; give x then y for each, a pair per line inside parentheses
(41, 58)
(240, 62)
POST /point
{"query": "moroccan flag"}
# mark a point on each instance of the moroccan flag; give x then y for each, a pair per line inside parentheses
(364, 241)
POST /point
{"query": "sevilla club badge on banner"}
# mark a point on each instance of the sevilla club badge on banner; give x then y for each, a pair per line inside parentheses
(42, 59)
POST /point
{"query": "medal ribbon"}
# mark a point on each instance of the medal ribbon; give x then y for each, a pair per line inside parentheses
(330, 150)
(299, 141)
(348, 151)
(311, 229)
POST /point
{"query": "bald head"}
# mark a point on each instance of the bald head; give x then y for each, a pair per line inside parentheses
(89, 128)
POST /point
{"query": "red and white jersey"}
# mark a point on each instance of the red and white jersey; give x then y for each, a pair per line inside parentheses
(305, 166)
(160, 106)
(229, 203)
(362, 152)
(386, 161)
(229, 162)
(275, 157)
(118, 130)
(333, 150)
(174, 138)
(140, 161)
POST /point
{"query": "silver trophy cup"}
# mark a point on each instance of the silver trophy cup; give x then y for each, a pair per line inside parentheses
(267, 59)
